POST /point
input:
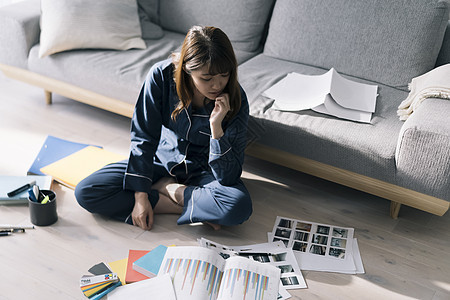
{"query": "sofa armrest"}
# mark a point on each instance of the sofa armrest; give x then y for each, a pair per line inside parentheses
(423, 149)
(20, 30)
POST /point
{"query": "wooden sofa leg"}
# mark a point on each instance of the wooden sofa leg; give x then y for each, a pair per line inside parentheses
(395, 209)
(48, 97)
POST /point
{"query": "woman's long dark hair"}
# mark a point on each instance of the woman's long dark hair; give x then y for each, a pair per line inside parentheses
(205, 46)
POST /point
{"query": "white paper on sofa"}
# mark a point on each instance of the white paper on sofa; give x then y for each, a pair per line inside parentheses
(329, 93)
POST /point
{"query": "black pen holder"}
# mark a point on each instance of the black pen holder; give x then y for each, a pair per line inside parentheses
(44, 214)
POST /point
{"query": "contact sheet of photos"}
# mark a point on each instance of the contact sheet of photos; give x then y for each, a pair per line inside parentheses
(313, 238)
(291, 277)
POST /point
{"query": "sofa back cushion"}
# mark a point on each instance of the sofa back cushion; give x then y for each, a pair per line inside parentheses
(81, 24)
(149, 16)
(385, 41)
(243, 21)
(150, 8)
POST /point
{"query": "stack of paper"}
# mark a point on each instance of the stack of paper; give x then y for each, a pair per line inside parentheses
(150, 263)
(329, 93)
(131, 274)
(143, 264)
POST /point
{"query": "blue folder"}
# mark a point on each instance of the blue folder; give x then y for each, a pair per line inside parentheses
(53, 150)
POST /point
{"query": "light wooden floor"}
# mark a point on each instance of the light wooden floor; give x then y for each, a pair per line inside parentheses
(406, 258)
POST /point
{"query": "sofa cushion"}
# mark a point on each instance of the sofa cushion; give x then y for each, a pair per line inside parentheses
(19, 25)
(149, 8)
(81, 24)
(243, 21)
(385, 41)
(116, 74)
(367, 149)
(148, 15)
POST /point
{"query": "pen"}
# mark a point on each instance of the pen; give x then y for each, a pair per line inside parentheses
(34, 193)
(13, 230)
(21, 189)
(5, 233)
(7, 226)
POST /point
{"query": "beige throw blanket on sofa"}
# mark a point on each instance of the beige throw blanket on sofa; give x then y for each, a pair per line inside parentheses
(434, 84)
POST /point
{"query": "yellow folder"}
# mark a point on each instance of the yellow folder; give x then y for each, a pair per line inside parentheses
(71, 169)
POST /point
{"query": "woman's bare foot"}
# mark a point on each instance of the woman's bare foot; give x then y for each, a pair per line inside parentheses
(214, 226)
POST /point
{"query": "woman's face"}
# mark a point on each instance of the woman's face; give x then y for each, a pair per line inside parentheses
(210, 86)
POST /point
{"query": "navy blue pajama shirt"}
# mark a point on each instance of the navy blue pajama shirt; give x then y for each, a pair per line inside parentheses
(182, 148)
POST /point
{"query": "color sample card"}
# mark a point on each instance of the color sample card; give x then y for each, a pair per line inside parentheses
(99, 269)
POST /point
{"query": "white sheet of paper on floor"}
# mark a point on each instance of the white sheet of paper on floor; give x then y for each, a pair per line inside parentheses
(283, 294)
(319, 247)
(158, 287)
(329, 93)
(275, 254)
(357, 258)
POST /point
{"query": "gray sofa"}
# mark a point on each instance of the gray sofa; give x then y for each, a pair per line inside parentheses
(387, 43)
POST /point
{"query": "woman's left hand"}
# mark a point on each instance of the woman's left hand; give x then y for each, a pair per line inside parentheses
(221, 108)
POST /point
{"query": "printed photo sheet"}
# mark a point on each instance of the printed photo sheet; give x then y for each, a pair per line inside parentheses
(319, 247)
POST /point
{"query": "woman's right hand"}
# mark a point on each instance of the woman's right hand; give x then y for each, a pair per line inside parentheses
(142, 214)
